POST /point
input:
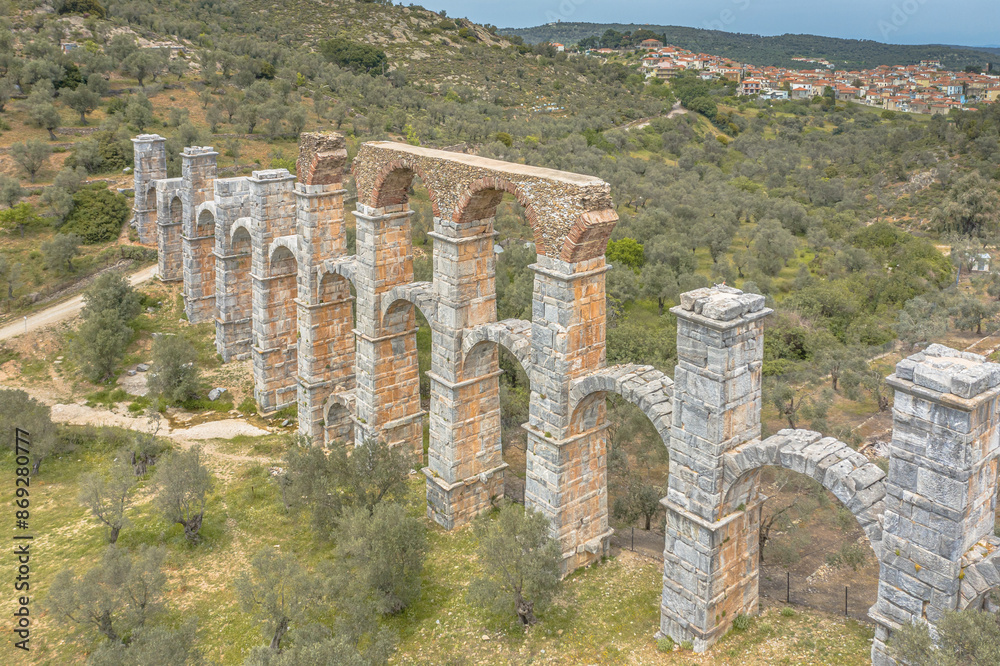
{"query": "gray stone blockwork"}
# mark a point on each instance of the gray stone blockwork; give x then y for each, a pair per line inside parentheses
(282, 292)
(150, 166)
(198, 170)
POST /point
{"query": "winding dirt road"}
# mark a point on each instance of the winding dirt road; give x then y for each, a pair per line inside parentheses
(65, 310)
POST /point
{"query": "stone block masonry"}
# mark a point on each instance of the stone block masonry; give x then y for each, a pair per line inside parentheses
(266, 257)
(198, 170)
(710, 552)
(150, 166)
(169, 216)
(942, 485)
(233, 299)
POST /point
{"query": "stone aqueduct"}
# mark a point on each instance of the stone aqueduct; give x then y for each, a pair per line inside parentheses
(266, 257)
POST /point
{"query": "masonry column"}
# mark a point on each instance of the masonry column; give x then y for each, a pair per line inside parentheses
(567, 470)
(150, 165)
(465, 467)
(273, 291)
(232, 270)
(388, 378)
(941, 489)
(198, 168)
(169, 216)
(709, 558)
(326, 338)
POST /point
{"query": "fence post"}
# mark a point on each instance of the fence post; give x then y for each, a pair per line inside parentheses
(788, 587)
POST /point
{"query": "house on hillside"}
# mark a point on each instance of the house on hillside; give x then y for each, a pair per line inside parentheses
(558, 47)
(652, 44)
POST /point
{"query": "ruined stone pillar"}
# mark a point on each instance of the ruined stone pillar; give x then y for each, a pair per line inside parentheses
(388, 379)
(710, 553)
(169, 216)
(233, 304)
(465, 465)
(326, 344)
(273, 290)
(150, 165)
(198, 168)
(941, 489)
(566, 469)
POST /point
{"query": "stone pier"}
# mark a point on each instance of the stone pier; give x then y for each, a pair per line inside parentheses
(942, 485)
(233, 301)
(198, 170)
(150, 166)
(465, 468)
(710, 553)
(567, 458)
(273, 275)
(325, 345)
(169, 221)
(387, 377)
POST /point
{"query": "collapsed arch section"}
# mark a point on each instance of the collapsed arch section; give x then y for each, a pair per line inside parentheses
(980, 576)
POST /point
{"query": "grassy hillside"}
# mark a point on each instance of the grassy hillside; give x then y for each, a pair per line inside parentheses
(778, 50)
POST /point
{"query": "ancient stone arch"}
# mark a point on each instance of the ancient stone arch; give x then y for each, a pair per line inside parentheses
(858, 483)
(514, 335)
(644, 386)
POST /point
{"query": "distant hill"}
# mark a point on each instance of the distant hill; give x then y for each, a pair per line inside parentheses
(777, 51)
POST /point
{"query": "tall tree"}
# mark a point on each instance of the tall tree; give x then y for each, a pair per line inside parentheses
(18, 410)
(278, 592)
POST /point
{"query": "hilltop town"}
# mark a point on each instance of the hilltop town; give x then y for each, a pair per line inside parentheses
(922, 88)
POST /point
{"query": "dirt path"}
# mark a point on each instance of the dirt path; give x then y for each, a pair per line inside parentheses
(65, 310)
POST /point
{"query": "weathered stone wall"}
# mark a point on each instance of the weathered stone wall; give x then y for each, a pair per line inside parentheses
(325, 318)
(198, 170)
(169, 220)
(150, 165)
(942, 485)
(233, 300)
(273, 275)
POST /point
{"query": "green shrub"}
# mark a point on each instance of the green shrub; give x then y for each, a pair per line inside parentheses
(665, 644)
(742, 622)
(787, 612)
(248, 406)
(687, 645)
(97, 215)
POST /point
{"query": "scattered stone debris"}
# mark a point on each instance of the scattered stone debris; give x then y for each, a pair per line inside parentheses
(216, 393)
(142, 367)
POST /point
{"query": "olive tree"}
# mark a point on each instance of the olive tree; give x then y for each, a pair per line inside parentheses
(518, 563)
(19, 411)
(116, 597)
(31, 156)
(108, 495)
(183, 484)
(175, 376)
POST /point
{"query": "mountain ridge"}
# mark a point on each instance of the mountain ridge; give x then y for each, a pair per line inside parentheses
(777, 50)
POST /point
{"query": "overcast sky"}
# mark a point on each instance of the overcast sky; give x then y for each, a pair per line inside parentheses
(964, 22)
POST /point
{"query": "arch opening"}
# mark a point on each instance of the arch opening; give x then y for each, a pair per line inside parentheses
(205, 224)
(151, 204)
(176, 210)
(809, 545)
